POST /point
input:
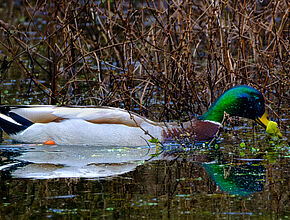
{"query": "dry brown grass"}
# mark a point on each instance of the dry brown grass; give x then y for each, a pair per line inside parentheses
(167, 60)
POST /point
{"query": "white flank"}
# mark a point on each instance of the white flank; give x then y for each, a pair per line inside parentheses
(81, 132)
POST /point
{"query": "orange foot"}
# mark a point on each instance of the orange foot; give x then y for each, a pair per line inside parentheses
(50, 142)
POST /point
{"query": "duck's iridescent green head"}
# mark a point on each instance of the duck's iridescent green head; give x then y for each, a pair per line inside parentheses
(243, 101)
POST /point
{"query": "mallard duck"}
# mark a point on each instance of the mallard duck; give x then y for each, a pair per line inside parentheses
(106, 126)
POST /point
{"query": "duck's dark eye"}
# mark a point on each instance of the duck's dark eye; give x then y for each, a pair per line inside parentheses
(268, 118)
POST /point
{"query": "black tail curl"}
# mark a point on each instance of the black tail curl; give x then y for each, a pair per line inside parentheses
(11, 122)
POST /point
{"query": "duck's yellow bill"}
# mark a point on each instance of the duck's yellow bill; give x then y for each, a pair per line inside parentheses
(271, 126)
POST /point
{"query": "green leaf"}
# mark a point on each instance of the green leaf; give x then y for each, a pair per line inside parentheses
(154, 140)
(242, 145)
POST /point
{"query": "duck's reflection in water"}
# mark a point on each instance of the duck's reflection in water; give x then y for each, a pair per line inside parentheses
(46, 162)
(79, 161)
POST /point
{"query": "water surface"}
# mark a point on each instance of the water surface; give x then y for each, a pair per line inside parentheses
(225, 180)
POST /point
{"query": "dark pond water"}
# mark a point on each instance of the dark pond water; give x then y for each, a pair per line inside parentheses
(240, 176)
(243, 175)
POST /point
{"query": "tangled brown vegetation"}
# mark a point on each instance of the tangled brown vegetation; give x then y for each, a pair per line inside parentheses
(163, 59)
